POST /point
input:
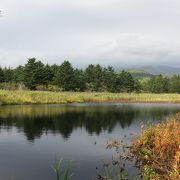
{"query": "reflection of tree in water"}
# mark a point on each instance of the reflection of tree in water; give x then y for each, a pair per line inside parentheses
(93, 120)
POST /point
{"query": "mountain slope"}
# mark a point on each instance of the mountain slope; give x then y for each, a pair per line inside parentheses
(164, 70)
(139, 74)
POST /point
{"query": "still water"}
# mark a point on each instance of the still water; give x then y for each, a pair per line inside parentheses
(34, 138)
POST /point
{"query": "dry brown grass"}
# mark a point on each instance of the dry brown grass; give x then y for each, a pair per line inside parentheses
(158, 150)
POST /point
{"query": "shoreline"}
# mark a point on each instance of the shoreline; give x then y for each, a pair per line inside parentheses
(94, 102)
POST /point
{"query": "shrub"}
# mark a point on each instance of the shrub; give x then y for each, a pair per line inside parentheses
(158, 150)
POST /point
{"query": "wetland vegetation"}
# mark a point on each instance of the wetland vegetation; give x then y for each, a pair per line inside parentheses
(43, 97)
(157, 150)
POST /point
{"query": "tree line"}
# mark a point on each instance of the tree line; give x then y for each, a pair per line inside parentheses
(35, 75)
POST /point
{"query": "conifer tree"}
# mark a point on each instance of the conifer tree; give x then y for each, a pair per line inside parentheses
(2, 79)
(94, 77)
(64, 76)
(125, 82)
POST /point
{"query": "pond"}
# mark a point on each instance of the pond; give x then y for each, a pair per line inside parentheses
(33, 138)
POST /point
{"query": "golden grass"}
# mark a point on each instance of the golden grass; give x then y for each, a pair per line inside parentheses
(41, 97)
(158, 150)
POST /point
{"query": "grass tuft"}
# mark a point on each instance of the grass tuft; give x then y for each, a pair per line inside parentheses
(62, 173)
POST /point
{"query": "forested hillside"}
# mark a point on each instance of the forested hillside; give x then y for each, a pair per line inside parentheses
(140, 74)
(164, 70)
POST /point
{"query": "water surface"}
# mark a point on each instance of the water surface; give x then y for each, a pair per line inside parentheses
(33, 138)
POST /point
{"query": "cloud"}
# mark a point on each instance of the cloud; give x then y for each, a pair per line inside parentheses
(135, 50)
(117, 32)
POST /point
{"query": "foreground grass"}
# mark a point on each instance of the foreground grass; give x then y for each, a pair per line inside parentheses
(158, 150)
(40, 97)
(62, 173)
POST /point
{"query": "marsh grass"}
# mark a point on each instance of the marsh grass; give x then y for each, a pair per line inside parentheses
(62, 172)
(42, 97)
(157, 150)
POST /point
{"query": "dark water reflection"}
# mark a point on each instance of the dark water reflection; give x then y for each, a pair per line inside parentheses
(32, 137)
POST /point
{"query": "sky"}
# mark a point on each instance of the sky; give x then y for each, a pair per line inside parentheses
(121, 33)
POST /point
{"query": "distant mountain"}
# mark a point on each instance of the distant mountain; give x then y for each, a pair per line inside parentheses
(164, 70)
(138, 73)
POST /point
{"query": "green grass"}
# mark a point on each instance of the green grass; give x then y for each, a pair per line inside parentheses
(40, 97)
(62, 173)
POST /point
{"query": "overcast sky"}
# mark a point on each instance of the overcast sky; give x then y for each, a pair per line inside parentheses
(110, 32)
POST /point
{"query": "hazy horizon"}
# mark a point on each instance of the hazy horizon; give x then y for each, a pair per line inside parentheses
(79, 66)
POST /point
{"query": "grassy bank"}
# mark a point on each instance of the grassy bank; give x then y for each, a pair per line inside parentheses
(40, 97)
(158, 150)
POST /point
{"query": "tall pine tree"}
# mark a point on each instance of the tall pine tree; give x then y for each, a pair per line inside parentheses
(64, 76)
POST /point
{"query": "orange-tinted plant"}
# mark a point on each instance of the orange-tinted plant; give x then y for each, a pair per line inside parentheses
(158, 150)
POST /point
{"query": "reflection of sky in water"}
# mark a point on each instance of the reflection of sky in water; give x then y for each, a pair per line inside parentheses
(33, 137)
